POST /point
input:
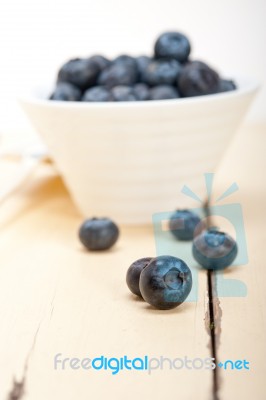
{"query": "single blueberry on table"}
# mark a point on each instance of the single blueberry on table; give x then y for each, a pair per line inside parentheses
(196, 79)
(123, 93)
(214, 250)
(141, 91)
(165, 282)
(97, 93)
(226, 85)
(118, 74)
(98, 233)
(163, 92)
(82, 73)
(133, 274)
(101, 61)
(185, 224)
(66, 92)
(159, 72)
(174, 45)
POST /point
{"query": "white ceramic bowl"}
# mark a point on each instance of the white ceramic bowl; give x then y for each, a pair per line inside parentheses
(130, 160)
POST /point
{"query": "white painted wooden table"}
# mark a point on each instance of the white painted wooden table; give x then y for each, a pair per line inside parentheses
(57, 298)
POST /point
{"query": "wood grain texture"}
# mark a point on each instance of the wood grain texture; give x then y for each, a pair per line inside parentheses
(57, 298)
(243, 319)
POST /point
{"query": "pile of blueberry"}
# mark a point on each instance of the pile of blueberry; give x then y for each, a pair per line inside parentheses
(165, 282)
(168, 74)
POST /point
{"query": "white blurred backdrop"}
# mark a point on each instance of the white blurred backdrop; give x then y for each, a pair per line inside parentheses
(37, 36)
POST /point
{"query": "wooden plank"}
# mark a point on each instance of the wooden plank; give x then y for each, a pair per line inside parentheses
(57, 298)
(243, 322)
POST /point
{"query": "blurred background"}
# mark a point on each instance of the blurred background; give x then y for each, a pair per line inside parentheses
(38, 36)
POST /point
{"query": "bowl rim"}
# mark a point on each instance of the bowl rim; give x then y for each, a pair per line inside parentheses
(244, 86)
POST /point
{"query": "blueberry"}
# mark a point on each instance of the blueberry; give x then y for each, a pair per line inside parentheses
(101, 61)
(159, 72)
(213, 249)
(183, 224)
(174, 45)
(163, 92)
(126, 60)
(123, 93)
(142, 63)
(197, 79)
(80, 72)
(97, 93)
(226, 85)
(98, 233)
(165, 282)
(66, 92)
(133, 274)
(141, 91)
(118, 74)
